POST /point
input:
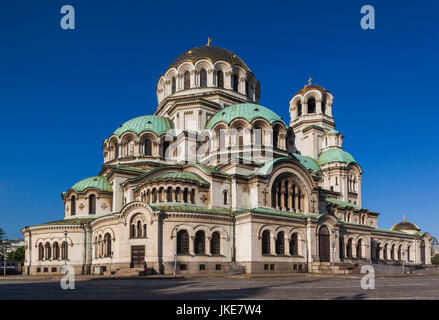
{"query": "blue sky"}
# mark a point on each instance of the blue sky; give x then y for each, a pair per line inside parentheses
(63, 92)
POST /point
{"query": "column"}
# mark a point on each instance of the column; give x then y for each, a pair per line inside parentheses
(319, 105)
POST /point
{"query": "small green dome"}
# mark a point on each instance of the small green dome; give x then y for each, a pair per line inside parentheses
(156, 124)
(332, 131)
(335, 155)
(98, 182)
(247, 111)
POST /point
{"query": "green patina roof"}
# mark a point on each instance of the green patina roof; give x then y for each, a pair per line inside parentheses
(308, 162)
(98, 182)
(186, 176)
(332, 131)
(335, 155)
(344, 204)
(76, 221)
(282, 213)
(156, 124)
(194, 209)
(247, 111)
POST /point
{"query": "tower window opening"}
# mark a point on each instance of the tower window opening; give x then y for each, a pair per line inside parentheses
(311, 105)
(203, 78)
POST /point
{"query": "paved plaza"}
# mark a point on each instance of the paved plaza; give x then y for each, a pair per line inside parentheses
(218, 288)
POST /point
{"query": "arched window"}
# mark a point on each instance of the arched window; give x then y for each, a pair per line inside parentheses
(154, 195)
(378, 252)
(220, 79)
(192, 196)
(73, 205)
(280, 243)
(385, 251)
(55, 251)
(323, 106)
(294, 251)
(225, 197)
(182, 242)
(215, 243)
(173, 85)
(48, 251)
(235, 82)
(185, 194)
(266, 242)
(349, 249)
(299, 109)
(92, 204)
(275, 137)
(392, 252)
(139, 229)
(187, 80)
(169, 194)
(400, 252)
(200, 242)
(64, 251)
(116, 150)
(409, 250)
(286, 195)
(203, 78)
(148, 147)
(165, 147)
(107, 241)
(257, 134)
(40, 252)
(359, 249)
(177, 194)
(311, 105)
(133, 231)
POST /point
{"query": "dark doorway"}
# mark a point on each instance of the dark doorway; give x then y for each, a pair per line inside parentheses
(137, 256)
(324, 244)
(422, 252)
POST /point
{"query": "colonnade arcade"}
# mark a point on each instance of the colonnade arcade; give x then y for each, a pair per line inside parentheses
(168, 193)
(288, 193)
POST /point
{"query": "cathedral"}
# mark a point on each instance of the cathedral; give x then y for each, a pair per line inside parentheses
(214, 182)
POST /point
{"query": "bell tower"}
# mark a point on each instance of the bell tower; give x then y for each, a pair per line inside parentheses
(311, 116)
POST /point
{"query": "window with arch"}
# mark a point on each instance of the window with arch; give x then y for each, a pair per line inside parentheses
(266, 242)
(257, 135)
(40, 252)
(360, 249)
(187, 80)
(280, 243)
(400, 252)
(203, 78)
(48, 252)
(73, 206)
(294, 249)
(311, 105)
(392, 252)
(386, 248)
(182, 242)
(409, 250)
(200, 242)
(235, 82)
(92, 204)
(169, 194)
(132, 231)
(185, 195)
(299, 109)
(349, 248)
(55, 251)
(225, 197)
(220, 79)
(215, 243)
(107, 245)
(323, 106)
(192, 196)
(173, 85)
(165, 147)
(286, 193)
(276, 137)
(64, 251)
(154, 195)
(177, 194)
(139, 229)
(148, 147)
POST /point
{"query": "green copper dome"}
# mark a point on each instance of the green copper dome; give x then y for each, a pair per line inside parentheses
(247, 111)
(98, 182)
(335, 155)
(156, 124)
(332, 131)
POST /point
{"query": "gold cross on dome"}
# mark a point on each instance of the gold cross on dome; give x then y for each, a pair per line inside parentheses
(403, 218)
(209, 40)
(309, 81)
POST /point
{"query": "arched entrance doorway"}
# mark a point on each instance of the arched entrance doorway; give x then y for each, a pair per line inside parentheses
(422, 252)
(324, 244)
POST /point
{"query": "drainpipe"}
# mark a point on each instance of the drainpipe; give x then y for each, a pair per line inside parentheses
(233, 225)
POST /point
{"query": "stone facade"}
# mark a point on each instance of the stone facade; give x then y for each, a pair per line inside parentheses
(214, 182)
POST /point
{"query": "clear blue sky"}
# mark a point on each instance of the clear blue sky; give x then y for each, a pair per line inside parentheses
(63, 92)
